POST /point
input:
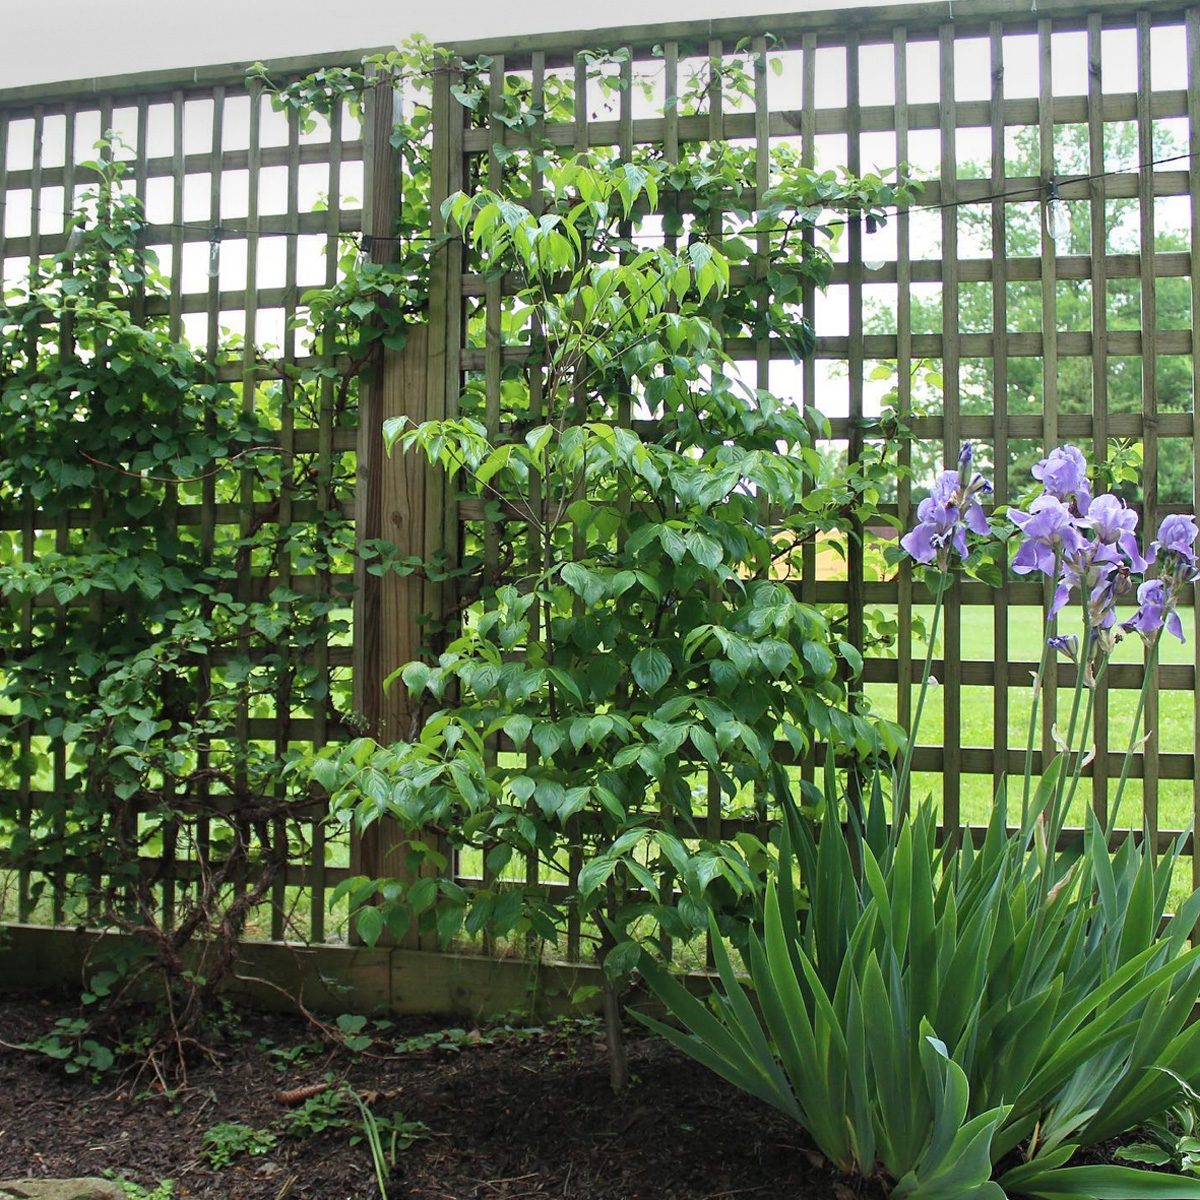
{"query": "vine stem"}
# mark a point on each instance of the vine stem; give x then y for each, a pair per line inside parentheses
(901, 794)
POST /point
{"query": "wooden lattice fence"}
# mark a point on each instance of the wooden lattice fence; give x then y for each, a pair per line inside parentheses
(930, 87)
(230, 189)
(991, 101)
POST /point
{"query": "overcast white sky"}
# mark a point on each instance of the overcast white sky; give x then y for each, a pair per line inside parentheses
(48, 40)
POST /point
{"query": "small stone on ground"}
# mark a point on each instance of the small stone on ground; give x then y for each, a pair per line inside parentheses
(59, 1189)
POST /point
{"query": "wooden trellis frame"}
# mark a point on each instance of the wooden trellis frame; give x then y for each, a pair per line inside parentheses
(845, 33)
(428, 381)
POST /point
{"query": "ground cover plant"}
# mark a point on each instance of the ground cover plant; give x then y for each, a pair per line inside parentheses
(961, 1021)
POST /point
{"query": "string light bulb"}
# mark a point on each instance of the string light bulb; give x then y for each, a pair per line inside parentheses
(214, 254)
(1058, 217)
(869, 262)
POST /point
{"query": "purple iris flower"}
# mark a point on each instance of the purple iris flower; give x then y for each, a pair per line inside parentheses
(1063, 473)
(1113, 524)
(1050, 536)
(943, 517)
(1156, 608)
(1102, 600)
(1090, 569)
(1067, 643)
(1176, 537)
(1175, 551)
(938, 529)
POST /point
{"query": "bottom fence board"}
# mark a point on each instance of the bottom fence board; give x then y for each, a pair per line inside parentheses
(326, 979)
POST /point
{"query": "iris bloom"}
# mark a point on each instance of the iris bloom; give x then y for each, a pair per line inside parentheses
(1156, 608)
(943, 517)
(1113, 524)
(1177, 538)
(1050, 536)
(1063, 473)
(1175, 552)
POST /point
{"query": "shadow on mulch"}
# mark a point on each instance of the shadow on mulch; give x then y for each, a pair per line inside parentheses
(528, 1116)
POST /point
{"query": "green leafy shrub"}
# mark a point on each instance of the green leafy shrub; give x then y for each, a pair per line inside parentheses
(633, 630)
(68, 1043)
(136, 644)
(230, 1140)
(163, 1190)
(653, 636)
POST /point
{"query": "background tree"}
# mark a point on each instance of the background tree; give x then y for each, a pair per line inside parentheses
(1073, 303)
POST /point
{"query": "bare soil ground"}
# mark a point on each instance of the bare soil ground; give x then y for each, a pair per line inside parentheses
(509, 1114)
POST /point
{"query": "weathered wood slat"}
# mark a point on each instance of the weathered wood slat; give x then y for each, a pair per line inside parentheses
(1193, 52)
(1001, 427)
(1150, 350)
(904, 380)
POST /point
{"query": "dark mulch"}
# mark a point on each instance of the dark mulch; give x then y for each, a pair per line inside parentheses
(523, 1116)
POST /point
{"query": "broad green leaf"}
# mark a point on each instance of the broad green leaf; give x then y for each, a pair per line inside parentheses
(651, 669)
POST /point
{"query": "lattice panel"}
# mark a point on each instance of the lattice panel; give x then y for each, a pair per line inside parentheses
(246, 210)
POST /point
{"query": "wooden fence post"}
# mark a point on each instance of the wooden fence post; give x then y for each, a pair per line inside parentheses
(398, 495)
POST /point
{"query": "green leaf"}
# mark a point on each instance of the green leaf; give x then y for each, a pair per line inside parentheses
(776, 656)
(518, 728)
(1143, 1152)
(622, 959)
(584, 583)
(852, 657)
(594, 875)
(651, 669)
(1105, 1182)
(819, 658)
(369, 923)
(522, 787)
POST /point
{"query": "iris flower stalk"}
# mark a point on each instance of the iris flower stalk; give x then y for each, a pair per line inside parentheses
(1076, 541)
(943, 518)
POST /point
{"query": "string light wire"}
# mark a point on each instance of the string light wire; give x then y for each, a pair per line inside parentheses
(214, 233)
